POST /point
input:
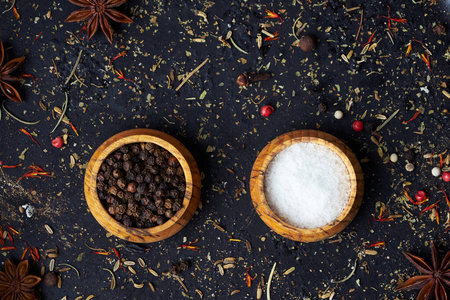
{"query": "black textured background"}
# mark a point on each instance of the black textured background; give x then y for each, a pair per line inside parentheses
(228, 124)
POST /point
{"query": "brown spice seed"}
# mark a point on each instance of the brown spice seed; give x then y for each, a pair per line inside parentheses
(152, 287)
(234, 292)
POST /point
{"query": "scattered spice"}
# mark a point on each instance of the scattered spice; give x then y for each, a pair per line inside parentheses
(16, 282)
(247, 79)
(58, 142)
(51, 279)
(358, 126)
(307, 43)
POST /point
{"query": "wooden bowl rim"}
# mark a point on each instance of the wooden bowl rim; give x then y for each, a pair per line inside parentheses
(113, 143)
(335, 145)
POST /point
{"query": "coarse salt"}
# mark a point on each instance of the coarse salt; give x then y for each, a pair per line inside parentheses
(307, 185)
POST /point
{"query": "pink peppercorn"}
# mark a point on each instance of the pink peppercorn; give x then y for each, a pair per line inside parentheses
(420, 196)
(58, 142)
(266, 110)
(358, 125)
(446, 176)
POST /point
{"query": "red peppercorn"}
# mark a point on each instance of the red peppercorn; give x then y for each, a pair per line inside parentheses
(266, 110)
(358, 125)
(58, 142)
(420, 196)
(446, 176)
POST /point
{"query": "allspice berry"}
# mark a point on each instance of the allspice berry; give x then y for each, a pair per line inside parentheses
(51, 279)
(307, 43)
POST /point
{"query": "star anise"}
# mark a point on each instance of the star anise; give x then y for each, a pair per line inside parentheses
(5, 71)
(98, 12)
(435, 278)
(16, 283)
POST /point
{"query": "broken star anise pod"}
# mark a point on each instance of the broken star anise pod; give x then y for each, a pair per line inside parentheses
(5, 75)
(17, 283)
(435, 278)
(98, 12)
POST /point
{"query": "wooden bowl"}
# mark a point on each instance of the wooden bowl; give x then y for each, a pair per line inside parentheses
(181, 217)
(272, 220)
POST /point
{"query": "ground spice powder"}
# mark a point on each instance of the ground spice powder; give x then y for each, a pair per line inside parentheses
(307, 185)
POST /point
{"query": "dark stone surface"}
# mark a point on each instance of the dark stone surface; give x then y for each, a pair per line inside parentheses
(225, 132)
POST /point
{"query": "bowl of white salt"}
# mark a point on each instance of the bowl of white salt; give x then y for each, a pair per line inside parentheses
(307, 185)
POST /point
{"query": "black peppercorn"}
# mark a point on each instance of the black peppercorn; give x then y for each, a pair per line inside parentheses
(127, 157)
(139, 178)
(168, 203)
(137, 168)
(152, 187)
(117, 173)
(159, 202)
(110, 160)
(182, 187)
(174, 269)
(113, 190)
(159, 160)
(101, 176)
(168, 214)
(176, 206)
(112, 210)
(103, 167)
(124, 149)
(141, 188)
(126, 220)
(175, 181)
(157, 152)
(118, 155)
(120, 209)
(135, 149)
(130, 176)
(159, 220)
(143, 155)
(174, 193)
(180, 171)
(184, 266)
(127, 166)
(158, 179)
(166, 154)
(132, 187)
(171, 171)
(409, 155)
(172, 161)
(152, 206)
(150, 147)
(120, 194)
(101, 186)
(122, 183)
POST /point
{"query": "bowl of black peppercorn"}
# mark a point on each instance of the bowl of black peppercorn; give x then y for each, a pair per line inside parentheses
(142, 185)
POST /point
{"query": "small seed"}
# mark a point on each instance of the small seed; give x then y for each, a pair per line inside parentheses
(51, 265)
(59, 281)
(447, 94)
(199, 293)
(130, 268)
(141, 262)
(249, 246)
(79, 298)
(48, 228)
(116, 266)
(138, 286)
(64, 270)
(229, 260)
(259, 292)
(380, 117)
(344, 58)
(218, 262)
(370, 252)
(90, 297)
(428, 155)
(234, 292)
(289, 271)
(153, 272)
(221, 271)
(53, 255)
(43, 106)
(129, 263)
(228, 266)
(21, 209)
(64, 298)
(152, 287)
(42, 271)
